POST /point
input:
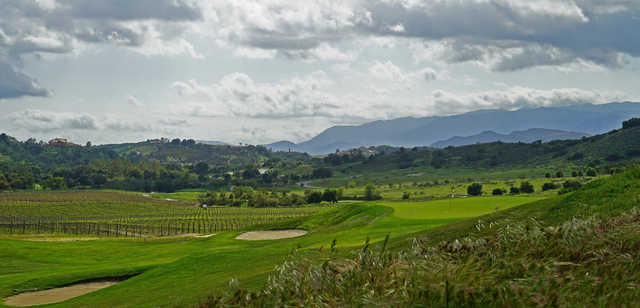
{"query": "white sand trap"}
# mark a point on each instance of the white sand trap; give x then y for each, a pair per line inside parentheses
(205, 235)
(56, 295)
(59, 239)
(270, 235)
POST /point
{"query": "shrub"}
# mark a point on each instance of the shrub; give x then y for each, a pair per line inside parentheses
(631, 123)
(559, 174)
(526, 188)
(371, 193)
(549, 186)
(514, 190)
(474, 189)
(406, 196)
(314, 197)
(591, 173)
(570, 186)
(498, 192)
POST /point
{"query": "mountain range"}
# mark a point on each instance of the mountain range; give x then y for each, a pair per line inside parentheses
(526, 136)
(426, 131)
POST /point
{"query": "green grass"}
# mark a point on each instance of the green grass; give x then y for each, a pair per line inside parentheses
(457, 208)
(577, 250)
(183, 271)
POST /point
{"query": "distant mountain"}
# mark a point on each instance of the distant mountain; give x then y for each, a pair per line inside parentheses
(281, 146)
(526, 136)
(409, 132)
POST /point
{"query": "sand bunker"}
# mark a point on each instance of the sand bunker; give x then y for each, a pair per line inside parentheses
(58, 239)
(270, 235)
(56, 295)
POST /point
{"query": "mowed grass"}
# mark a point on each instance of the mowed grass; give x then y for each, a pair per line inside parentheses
(183, 271)
(456, 208)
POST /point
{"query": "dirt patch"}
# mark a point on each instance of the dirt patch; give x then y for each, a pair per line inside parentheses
(270, 235)
(56, 295)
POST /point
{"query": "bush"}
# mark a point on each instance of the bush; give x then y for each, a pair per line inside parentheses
(559, 174)
(371, 193)
(314, 197)
(549, 186)
(526, 188)
(591, 173)
(631, 123)
(406, 196)
(4, 184)
(474, 189)
(514, 190)
(322, 173)
(570, 186)
(498, 192)
(330, 195)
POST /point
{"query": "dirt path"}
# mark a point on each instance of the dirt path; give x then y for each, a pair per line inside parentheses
(270, 235)
(56, 295)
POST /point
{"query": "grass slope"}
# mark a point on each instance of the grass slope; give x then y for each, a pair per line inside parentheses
(184, 271)
(579, 250)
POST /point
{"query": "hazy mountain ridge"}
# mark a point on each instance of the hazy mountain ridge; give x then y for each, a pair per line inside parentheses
(526, 136)
(409, 132)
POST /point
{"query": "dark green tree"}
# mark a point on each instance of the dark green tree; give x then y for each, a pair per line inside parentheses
(526, 188)
(474, 189)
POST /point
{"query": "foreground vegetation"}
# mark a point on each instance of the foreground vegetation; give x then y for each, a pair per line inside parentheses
(578, 250)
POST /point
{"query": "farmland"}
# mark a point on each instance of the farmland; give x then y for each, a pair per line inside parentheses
(117, 214)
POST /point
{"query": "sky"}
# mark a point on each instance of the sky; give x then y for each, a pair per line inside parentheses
(110, 71)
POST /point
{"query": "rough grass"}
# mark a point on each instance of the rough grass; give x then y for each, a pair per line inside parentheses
(580, 250)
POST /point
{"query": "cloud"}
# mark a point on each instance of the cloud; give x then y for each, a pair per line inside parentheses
(15, 84)
(134, 101)
(173, 122)
(150, 27)
(443, 102)
(43, 121)
(238, 94)
(503, 35)
(507, 35)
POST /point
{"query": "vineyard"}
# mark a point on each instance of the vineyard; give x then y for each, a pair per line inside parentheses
(116, 214)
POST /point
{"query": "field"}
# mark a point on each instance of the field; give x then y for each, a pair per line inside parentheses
(185, 270)
(116, 214)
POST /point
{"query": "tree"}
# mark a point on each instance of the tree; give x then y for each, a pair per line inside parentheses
(635, 122)
(322, 173)
(559, 174)
(406, 195)
(201, 168)
(474, 189)
(4, 184)
(514, 190)
(250, 173)
(314, 197)
(547, 175)
(54, 183)
(330, 195)
(371, 193)
(498, 192)
(591, 173)
(549, 186)
(526, 188)
(570, 186)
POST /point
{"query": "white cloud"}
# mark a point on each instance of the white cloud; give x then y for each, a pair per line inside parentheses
(134, 101)
(443, 102)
